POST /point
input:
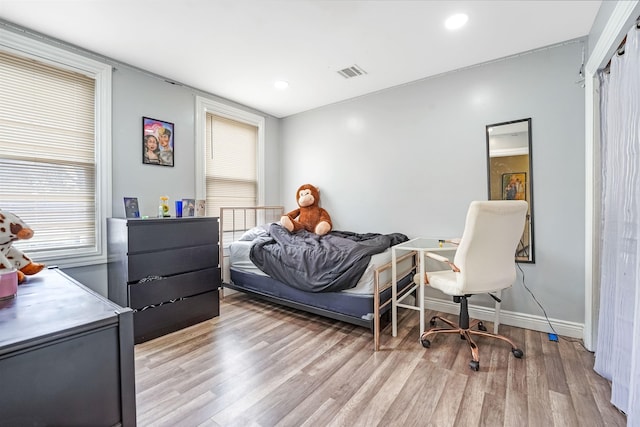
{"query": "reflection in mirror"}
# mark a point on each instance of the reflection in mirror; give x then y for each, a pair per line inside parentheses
(509, 173)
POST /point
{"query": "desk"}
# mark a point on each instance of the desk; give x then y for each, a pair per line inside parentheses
(419, 245)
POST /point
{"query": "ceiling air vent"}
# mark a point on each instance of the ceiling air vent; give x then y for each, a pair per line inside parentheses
(353, 71)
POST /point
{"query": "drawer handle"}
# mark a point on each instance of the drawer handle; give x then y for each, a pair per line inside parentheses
(158, 305)
(150, 279)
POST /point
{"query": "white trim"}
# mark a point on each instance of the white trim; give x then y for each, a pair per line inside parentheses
(40, 51)
(104, 168)
(618, 24)
(102, 74)
(519, 320)
(591, 232)
(204, 106)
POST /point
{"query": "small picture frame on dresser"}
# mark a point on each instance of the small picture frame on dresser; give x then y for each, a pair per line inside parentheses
(201, 208)
(188, 207)
(131, 208)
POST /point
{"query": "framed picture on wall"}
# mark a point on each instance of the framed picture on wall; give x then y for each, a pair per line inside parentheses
(514, 186)
(158, 139)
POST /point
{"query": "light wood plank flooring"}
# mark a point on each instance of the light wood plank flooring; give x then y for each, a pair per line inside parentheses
(259, 364)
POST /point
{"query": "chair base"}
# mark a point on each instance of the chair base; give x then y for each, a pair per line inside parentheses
(466, 333)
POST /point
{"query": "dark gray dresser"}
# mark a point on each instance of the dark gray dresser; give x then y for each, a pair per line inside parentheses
(66, 356)
(166, 269)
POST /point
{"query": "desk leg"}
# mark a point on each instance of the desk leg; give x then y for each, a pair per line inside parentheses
(421, 292)
(376, 312)
(394, 294)
(496, 320)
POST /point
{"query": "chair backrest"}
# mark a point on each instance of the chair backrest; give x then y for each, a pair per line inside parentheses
(487, 249)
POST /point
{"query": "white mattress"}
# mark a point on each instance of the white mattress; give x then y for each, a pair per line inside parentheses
(239, 260)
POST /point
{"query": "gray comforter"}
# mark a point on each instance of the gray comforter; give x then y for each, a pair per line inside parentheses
(312, 263)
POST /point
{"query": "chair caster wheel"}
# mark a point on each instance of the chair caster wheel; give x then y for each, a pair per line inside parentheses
(481, 327)
(432, 322)
(425, 342)
(475, 366)
(517, 353)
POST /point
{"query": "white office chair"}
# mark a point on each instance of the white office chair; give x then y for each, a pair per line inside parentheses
(484, 263)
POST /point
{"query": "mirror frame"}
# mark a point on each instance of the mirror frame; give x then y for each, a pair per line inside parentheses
(531, 256)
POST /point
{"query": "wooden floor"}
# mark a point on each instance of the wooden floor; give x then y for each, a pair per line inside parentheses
(260, 364)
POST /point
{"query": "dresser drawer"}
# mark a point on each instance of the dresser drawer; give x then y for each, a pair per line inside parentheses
(171, 262)
(160, 234)
(174, 287)
(157, 321)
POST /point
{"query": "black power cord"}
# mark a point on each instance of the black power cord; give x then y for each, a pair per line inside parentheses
(545, 313)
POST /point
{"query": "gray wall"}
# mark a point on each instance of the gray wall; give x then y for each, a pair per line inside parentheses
(410, 159)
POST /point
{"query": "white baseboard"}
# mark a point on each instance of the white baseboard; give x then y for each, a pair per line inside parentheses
(519, 320)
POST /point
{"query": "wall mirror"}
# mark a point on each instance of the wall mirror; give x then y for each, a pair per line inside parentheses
(509, 173)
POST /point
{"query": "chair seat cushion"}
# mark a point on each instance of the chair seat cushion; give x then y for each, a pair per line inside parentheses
(447, 282)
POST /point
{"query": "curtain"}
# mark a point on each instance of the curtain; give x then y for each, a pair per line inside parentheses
(618, 352)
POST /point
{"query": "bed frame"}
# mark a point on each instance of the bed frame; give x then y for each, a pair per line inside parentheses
(234, 221)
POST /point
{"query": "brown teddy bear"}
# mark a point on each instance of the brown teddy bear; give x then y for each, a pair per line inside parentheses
(13, 228)
(309, 215)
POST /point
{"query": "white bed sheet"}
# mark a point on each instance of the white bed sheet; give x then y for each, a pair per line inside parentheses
(239, 260)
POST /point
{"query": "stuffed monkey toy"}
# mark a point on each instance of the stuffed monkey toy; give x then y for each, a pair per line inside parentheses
(13, 228)
(309, 215)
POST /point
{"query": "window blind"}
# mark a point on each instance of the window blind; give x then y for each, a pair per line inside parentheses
(47, 154)
(231, 178)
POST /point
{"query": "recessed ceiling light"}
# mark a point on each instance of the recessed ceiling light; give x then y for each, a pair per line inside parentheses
(281, 84)
(456, 21)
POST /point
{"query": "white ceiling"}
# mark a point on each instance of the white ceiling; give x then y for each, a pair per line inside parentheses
(236, 49)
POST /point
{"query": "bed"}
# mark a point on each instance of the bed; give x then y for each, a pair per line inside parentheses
(246, 230)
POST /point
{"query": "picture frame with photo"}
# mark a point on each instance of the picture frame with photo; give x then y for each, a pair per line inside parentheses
(158, 142)
(188, 207)
(514, 186)
(201, 207)
(131, 207)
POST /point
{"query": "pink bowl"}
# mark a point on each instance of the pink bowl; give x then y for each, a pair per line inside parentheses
(8, 284)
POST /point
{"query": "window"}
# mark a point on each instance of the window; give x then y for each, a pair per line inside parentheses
(55, 149)
(230, 144)
(230, 163)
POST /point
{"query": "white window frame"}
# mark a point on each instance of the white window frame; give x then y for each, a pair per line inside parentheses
(24, 46)
(204, 106)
